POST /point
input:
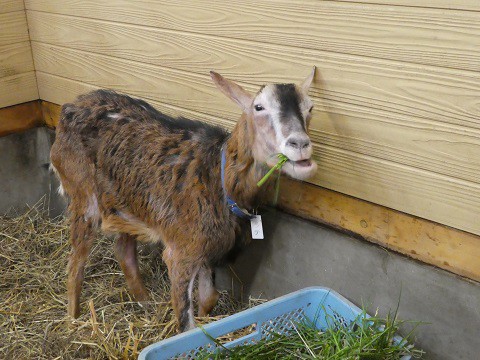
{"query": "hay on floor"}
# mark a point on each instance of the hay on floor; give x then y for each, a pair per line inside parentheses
(33, 322)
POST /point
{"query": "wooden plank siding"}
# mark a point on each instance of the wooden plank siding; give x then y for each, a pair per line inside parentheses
(186, 52)
(396, 95)
(347, 169)
(17, 89)
(439, 4)
(7, 6)
(430, 36)
(15, 59)
(17, 77)
(13, 27)
(424, 138)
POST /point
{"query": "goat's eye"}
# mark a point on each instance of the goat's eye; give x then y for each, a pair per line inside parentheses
(310, 110)
(259, 108)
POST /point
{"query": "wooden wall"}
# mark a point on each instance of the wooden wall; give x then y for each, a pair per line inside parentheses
(397, 93)
(17, 75)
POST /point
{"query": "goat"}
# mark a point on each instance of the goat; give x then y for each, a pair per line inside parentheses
(132, 171)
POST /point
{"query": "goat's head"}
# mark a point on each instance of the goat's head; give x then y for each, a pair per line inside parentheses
(279, 117)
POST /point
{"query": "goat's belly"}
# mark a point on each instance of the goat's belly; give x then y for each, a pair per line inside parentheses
(212, 243)
(127, 223)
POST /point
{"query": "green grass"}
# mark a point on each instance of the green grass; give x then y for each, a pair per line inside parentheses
(365, 338)
(282, 160)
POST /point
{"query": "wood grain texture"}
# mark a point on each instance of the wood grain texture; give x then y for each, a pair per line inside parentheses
(426, 36)
(432, 243)
(20, 117)
(418, 192)
(11, 5)
(405, 90)
(13, 28)
(15, 59)
(438, 148)
(414, 141)
(60, 90)
(17, 75)
(18, 89)
(435, 197)
(397, 117)
(147, 81)
(440, 4)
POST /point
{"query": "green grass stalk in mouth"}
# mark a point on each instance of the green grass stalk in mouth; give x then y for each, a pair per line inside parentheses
(282, 160)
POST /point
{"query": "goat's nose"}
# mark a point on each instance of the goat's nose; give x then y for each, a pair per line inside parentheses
(298, 142)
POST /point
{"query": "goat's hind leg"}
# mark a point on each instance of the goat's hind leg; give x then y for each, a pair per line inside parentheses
(126, 252)
(82, 234)
(207, 294)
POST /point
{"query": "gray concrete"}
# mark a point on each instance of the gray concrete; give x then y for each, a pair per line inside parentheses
(24, 175)
(297, 253)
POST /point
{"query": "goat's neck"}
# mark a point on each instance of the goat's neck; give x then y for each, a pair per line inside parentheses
(242, 172)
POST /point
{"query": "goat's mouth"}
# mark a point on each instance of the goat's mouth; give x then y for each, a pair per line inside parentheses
(300, 169)
(302, 163)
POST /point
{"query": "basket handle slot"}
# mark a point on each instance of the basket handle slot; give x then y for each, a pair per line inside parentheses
(240, 336)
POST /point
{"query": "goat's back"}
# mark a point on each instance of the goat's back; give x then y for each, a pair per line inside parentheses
(139, 163)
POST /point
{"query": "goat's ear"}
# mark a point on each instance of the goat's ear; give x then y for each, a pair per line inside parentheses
(232, 90)
(308, 81)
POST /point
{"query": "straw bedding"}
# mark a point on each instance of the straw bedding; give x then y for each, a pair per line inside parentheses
(33, 321)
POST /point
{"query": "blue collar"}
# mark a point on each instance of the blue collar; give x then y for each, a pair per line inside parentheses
(232, 205)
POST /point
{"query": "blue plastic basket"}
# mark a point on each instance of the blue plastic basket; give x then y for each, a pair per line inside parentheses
(279, 315)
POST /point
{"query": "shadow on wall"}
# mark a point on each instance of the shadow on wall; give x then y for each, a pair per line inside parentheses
(238, 277)
(25, 176)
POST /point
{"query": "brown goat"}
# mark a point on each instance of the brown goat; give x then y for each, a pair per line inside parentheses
(142, 175)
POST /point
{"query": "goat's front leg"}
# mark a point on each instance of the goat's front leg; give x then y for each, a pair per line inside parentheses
(207, 294)
(182, 273)
(126, 252)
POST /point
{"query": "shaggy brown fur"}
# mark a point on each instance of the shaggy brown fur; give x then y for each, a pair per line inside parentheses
(138, 173)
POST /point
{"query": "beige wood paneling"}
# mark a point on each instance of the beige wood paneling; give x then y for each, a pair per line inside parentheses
(442, 38)
(17, 76)
(397, 114)
(406, 88)
(434, 146)
(177, 88)
(60, 90)
(18, 89)
(13, 28)
(400, 139)
(449, 201)
(417, 192)
(428, 144)
(10, 5)
(441, 4)
(15, 59)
